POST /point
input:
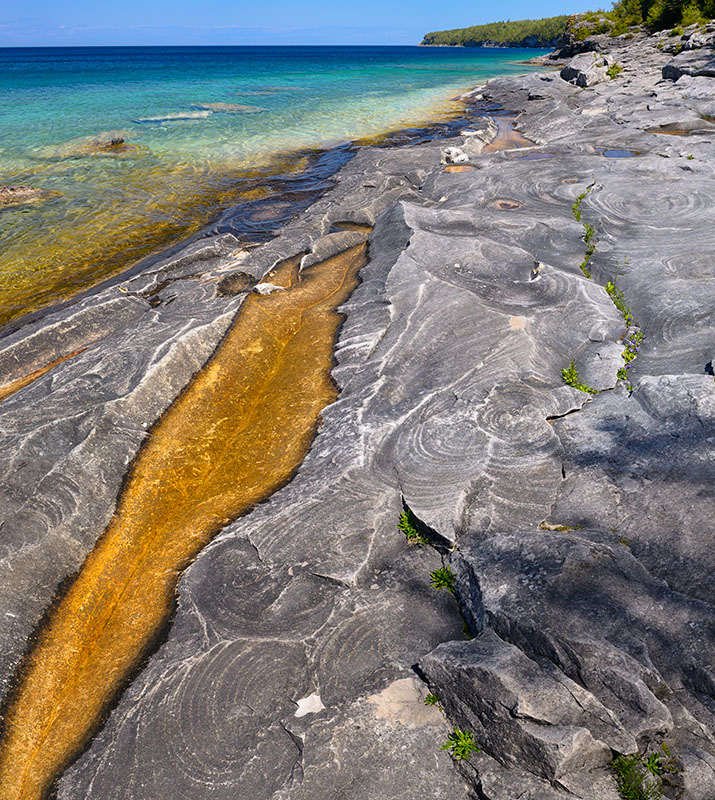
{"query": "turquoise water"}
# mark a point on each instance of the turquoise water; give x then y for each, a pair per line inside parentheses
(193, 123)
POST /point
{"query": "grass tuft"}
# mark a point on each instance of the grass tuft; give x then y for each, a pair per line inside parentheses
(645, 777)
(408, 526)
(444, 578)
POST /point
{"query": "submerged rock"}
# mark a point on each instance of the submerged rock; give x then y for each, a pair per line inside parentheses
(18, 195)
(112, 143)
(230, 108)
(178, 116)
(236, 283)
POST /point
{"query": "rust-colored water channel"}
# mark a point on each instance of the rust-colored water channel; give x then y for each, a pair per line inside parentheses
(233, 437)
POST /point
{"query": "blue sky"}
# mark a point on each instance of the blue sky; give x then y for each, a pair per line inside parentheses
(141, 22)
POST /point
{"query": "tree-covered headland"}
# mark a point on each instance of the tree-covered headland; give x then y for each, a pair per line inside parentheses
(655, 15)
(522, 32)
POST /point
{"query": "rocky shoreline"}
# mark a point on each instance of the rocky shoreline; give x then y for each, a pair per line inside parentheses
(571, 528)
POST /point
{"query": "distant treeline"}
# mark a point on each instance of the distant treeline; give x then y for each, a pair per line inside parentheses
(655, 15)
(659, 14)
(520, 33)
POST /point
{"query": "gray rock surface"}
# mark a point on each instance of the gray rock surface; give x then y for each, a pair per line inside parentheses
(582, 524)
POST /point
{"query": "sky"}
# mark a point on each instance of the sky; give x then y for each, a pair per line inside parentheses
(259, 22)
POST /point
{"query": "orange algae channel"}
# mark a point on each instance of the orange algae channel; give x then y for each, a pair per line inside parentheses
(20, 383)
(232, 438)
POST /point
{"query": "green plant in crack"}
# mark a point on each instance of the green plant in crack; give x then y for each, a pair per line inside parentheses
(444, 578)
(645, 777)
(633, 343)
(570, 375)
(546, 526)
(619, 301)
(576, 207)
(589, 237)
(633, 347)
(614, 70)
(584, 267)
(589, 232)
(408, 525)
(653, 764)
(432, 700)
(461, 744)
(634, 782)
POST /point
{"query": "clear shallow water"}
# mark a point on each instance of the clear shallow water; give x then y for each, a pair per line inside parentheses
(196, 122)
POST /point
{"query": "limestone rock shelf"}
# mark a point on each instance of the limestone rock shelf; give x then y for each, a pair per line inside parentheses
(235, 434)
(306, 633)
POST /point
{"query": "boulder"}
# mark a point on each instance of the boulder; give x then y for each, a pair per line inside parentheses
(111, 143)
(454, 155)
(585, 69)
(698, 39)
(695, 63)
(478, 137)
(520, 714)
(229, 108)
(575, 652)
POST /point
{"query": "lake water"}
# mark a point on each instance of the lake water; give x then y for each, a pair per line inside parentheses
(196, 131)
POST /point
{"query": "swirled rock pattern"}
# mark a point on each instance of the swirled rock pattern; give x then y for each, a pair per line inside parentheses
(580, 521)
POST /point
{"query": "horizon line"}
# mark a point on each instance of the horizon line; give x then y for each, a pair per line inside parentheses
(215, 44)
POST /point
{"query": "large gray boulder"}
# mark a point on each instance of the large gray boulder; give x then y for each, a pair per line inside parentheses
(699, 38)
(696, 63)
(521, 714)
(577, 647)
(586, 69)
